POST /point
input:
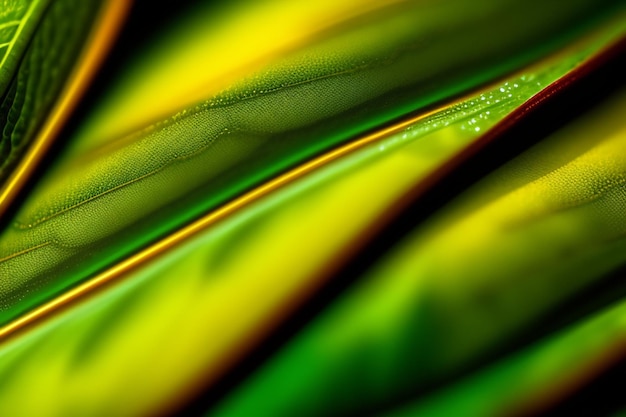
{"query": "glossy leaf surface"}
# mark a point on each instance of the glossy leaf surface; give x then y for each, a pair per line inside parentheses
(207, 230)
(98, 205)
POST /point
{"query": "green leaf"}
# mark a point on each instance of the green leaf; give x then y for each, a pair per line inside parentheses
(207, 301)
(37, 68)
(18, 20)
(226, 170)
(464, 285)
(544, 372)
(107, 199)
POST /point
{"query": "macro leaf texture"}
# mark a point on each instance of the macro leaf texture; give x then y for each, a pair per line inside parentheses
(45, 59)
(276, 208)
(18, 20)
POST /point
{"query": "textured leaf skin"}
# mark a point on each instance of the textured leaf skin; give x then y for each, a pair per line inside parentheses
(454, 296)
(97, 353)
(465, 283)
(101, 203)
(18, 20)
(39, 75)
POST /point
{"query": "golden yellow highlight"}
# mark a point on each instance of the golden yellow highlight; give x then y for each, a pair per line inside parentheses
(95, 50)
